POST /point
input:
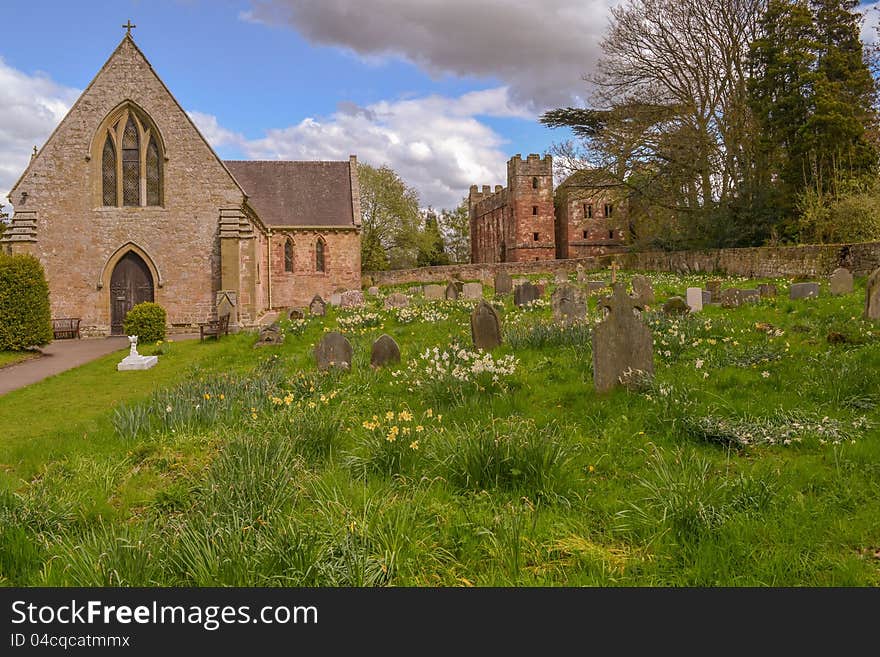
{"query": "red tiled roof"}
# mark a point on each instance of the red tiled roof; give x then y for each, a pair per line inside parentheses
(296, 193)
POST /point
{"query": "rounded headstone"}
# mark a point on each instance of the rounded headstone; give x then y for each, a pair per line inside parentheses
(485, 326)
(295, 313)
(397, 300)
(841, 281)
(317, 306)
(676, 306)
(643, 290)
(384, 352)
(334, 350)
(568, 303)
(872, 296)
(503, 283)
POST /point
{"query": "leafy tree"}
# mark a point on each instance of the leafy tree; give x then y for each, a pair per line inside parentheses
(392, 235)
(455, 226)
(432, 250)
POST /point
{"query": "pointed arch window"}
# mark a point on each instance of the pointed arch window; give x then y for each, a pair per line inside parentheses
(320, 264)
(131, 161)
(288, 255)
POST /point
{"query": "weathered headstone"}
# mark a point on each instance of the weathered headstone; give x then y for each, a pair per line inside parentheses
(734, 297)
(525, 293)
(643, 290)
(317, 306)
(694, 298)
(503, 283)
(623, 348)
(472, 291)
(452, 290)
(714, 287)
(581, 274)
(803, 291)
(334, 350)
(569, 304)
(295, 313)
(841, 281)
(707, 297)
(434, 292)
(336, 299)
(485, 327)
(270, 336)
(872, 296)
(384, 352)
(373, 291)
(352, 299)
(676, 306)
(767, 290)
(397, 300)
(560, 278)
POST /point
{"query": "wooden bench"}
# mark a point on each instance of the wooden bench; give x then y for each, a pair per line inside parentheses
(65, 327)
(214, 328)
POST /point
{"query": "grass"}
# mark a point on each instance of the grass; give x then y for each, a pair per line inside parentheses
(8, 358)
(752, 458)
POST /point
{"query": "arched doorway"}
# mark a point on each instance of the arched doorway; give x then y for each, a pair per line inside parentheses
(130, 284)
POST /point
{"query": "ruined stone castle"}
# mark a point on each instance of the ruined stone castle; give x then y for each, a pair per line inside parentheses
(530, 221)
(127, 202)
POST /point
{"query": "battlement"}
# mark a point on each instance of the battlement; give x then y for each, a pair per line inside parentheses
(532, 165)
(478, 196)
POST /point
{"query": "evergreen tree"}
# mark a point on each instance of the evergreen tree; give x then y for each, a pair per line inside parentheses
(432, 250)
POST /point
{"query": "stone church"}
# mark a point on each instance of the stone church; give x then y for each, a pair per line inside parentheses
(127, 202)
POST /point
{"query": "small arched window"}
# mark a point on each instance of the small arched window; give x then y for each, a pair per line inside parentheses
(131, 162)
(288, 255)
(320, 264)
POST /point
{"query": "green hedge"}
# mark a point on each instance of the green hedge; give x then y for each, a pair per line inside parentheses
(147, 321)
(25, 318)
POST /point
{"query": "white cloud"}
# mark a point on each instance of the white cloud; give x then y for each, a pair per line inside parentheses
(32, 106)
(541, 50)
(437, 144)
(871, 22)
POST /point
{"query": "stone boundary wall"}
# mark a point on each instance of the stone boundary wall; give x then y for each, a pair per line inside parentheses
(810, 261)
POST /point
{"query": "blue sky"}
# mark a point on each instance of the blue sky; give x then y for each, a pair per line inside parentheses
(444, 91)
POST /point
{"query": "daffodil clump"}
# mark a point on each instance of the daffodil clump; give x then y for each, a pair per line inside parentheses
(394, 441)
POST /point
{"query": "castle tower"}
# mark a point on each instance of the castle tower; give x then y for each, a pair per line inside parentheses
(530, 232)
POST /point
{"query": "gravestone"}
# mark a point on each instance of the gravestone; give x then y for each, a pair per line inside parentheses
(485, 326)
(503, 283)
(336, 299)
(767, 290)
(384, 352)
(317, 306)
(872, 296)
(134, 361)
(569, 304)
(295, 313)
(581, 274)
(373, 291)
(714, 287)
(397, 300)
(453, 290)
(643, 290)
(560, 278)
(707, 297)
(434, 292)
(841, 281)
(735, 297)
(416, 289)
(334, 350)
(351, 299)
(803, 291)
(472, 291)
(676, 306)
(525, 293)
(694, 297)
(270, 336)
(623, 348)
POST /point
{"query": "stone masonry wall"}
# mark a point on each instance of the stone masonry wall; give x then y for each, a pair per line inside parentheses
(812, 261)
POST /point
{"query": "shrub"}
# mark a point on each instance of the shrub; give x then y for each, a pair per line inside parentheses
(25, 319)
(147, 321)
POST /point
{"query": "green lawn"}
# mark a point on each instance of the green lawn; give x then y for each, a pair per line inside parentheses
(752, 458)
(8, 358)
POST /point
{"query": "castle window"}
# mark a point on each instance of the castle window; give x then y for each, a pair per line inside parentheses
(535, 183)
(608, 209)
(585, 234)
(534, 209)
(588, 210)
(319, 255)
(131, 161)
(288, 255)
(611, 234)
(535, 237)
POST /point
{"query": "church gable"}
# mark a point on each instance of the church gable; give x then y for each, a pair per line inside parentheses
(126, 83)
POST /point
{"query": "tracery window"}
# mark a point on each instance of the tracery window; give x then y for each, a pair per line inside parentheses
(131, 163)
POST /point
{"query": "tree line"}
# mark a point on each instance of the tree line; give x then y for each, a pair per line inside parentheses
(733, 122)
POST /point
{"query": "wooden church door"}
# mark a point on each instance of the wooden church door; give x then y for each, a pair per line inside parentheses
(130, 284)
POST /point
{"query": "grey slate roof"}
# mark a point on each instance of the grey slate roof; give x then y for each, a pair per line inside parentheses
(285, 193)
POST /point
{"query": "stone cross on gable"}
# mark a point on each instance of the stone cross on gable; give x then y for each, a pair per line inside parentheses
(620, 302)
(129, 27)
